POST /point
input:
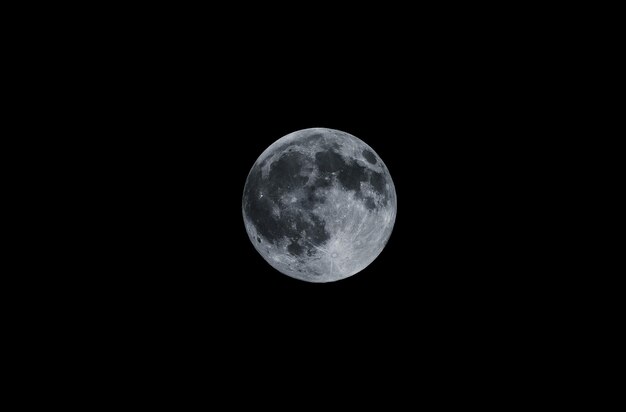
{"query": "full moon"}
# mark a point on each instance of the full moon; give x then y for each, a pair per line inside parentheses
(319, 205)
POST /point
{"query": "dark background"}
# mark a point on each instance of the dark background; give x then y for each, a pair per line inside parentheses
(159, 114)
(183, 113)
(449, 134)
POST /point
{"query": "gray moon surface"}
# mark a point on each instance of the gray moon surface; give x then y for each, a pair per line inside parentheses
(319, 205)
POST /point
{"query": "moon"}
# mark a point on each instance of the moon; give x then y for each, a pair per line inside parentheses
(319, 205)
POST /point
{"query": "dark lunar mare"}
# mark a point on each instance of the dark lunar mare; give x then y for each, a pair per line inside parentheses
(351, 177)
(284, 176)
(329, 161)
(369, 156)
(370, 203)
(350, 174)
(378, 182)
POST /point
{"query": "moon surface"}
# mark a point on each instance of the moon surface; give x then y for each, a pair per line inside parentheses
(319, 205)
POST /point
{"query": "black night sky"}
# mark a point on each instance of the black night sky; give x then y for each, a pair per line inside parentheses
(182, 133)
(139, 124)
(440, 137)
